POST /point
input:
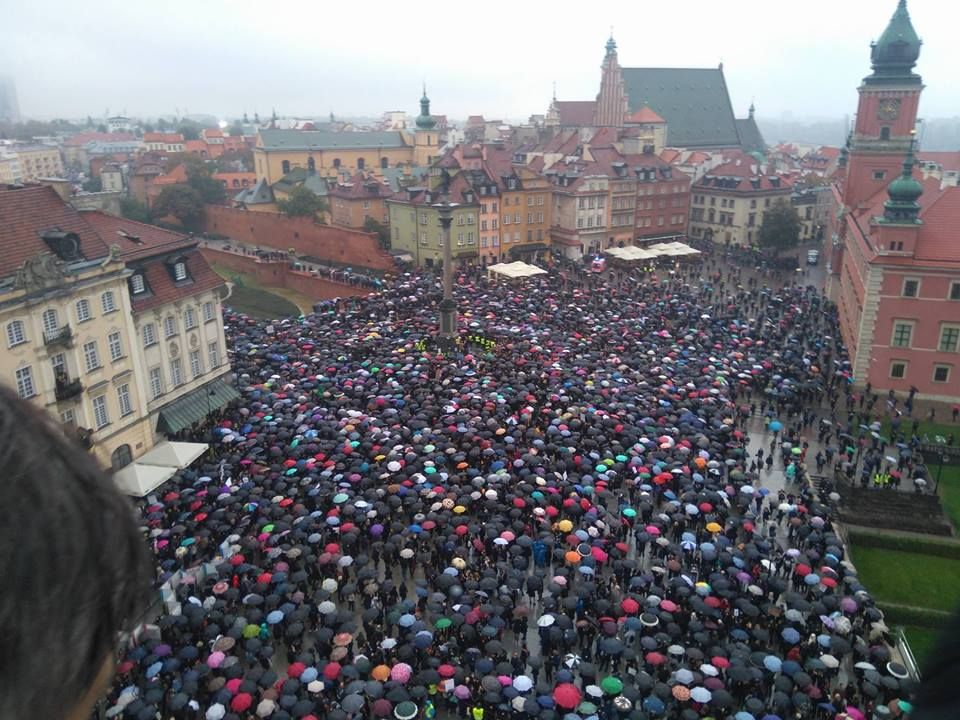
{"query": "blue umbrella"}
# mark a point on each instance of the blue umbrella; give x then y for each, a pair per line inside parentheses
(406, 620)
(790, 667)
(772, 663)
(154, 669)
(776, 426)
(790, 635)
(743, 715)
(274, 617)
(811, 579)
(654, 705)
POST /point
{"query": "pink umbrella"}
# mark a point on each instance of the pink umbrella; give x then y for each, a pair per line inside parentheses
(668, 605)
(462, 692)
(599, 554)
(216, 659)
(854, 713)
(401, 672)
(652, 530)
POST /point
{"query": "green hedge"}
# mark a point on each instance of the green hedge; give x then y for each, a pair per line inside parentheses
(894, 614)
(941, 547)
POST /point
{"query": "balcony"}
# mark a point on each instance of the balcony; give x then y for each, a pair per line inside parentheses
(60, 337)
(67, 389)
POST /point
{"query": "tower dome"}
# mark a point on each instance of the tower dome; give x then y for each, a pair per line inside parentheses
(425, 120)
(898, 48)
(904, 192)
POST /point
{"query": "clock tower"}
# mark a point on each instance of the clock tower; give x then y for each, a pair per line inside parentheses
(887, 111)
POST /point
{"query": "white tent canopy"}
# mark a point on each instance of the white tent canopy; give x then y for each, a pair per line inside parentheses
(141, 480)
(515, 270)
(630, 253)
(173, 454)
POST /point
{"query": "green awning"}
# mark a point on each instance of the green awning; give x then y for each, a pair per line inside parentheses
(185, 411)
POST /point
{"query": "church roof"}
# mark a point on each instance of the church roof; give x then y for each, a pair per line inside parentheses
(750, 138)
(259, 194)
(694, 102)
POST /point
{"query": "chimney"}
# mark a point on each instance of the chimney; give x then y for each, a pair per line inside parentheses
(60, 185)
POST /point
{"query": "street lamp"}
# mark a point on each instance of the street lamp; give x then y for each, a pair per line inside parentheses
(448, 306)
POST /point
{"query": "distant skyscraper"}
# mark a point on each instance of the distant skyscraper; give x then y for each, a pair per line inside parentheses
(9, 107)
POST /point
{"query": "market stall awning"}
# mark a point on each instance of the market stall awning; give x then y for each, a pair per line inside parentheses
(173, 454)
(141, 480)
(515, 270)
(196, 405)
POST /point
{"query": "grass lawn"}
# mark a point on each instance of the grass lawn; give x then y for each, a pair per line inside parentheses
(930, 429)
(260, 303)
(922, 642)
(909, 578)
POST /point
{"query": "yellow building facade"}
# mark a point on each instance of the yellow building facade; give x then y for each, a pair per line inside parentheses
(38, 161)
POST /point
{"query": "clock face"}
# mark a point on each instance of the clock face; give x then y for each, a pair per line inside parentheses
(889, 109)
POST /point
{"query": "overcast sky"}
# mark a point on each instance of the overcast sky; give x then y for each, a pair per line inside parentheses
(311, 57)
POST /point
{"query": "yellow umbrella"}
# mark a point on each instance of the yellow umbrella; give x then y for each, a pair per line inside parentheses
(565, 526)
(713, 527)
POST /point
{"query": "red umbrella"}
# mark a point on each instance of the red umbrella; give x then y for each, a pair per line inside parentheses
(720, 662)
(241, 703)
(712, 601)
(802, 569)
(446, 671)
(332, 671)
(630, 606)
(655, 658)
(668, 605)
(567, 695)
(382, 708)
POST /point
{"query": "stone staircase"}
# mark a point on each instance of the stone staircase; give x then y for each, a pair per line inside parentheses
(893, 510)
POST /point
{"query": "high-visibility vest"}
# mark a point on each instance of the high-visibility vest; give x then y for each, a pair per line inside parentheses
(477, 713)
(429, 711)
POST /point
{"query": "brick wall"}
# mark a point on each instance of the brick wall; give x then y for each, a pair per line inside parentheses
(326, 243)
(279, 274)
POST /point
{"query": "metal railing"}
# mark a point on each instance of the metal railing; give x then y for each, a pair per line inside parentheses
(906, 653)
(59, 336)
(66, 389)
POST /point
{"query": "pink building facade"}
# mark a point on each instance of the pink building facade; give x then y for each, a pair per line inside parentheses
(894, 241)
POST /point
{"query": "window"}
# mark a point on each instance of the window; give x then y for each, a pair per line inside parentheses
(123, 399)
(16, 333)
(100, 416)
(190, 318)
(459, 238)
(180, 271)
(384, 163)
(911, 288)
(91, 356)
(50, 323)
(885, 133)
(196, 366)
(149, 335)
(116, 347)
(209, 312)
(285, 166)
(156, 383)
(213, 354)
(169, 326)
(83, 310)
(120, 458)
(941, 373)
(176, 372)
(955, 291)
(68, 417)
(107, 302)
(59, 363)
(25, 382)
(949, 338)
(137, 284)
(311, 164)
(423, 218)
(336, 163)
(898, 369)
(361, 163)
(902, 333)
(879, 174)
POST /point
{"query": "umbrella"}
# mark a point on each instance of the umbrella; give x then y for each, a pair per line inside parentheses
(567, 695)
(405, 711)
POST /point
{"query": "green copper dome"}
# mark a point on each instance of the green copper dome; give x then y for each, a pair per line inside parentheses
(425, 120)
(898, 48)
(904, 193)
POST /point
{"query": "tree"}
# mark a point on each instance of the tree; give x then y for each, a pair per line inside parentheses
(148, 127)
(182, 202)
(302, 202)
(93, 185)
(133, 209)
(372, 225)
(236, 130)
(781, 226)
(162, 124)
(200, 178)
(101, 128)
(189, 130)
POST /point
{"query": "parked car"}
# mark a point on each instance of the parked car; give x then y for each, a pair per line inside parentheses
(813, 257)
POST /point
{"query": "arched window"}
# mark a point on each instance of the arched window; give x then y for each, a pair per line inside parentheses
(384, 163)
(336, 163)
(121, 457)
(361, 163)
(885, 133)
(16, 333)
(107, 302)
(50, 323)
(311, 164)
(286, 166)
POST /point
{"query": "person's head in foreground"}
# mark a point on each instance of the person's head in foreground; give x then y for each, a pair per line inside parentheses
(74, 570)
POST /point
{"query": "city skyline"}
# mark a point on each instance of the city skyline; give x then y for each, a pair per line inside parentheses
(70, 67)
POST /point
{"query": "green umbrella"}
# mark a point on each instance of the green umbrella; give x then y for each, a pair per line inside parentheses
(629, 512)
(442, 623)
(586, 708)
(612, 685)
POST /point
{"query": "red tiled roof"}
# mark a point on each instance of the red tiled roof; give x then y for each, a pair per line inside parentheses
(151, 240)
(212, 132)
(158, 137)
(669, 155)
(154, 246)
(645, 115)
(938, 234)
(177, 176)
(746, 168)
(948, 160)
(28, 211)
(576, 112)
(359, 187)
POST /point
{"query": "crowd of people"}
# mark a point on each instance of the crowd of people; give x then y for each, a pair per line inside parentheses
(558, 519)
